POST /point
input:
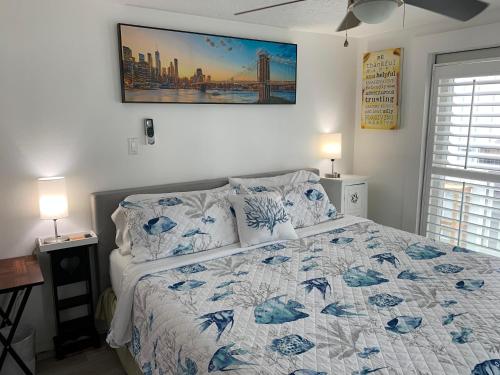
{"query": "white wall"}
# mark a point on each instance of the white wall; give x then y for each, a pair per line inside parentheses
(60, 114)
(393, 159)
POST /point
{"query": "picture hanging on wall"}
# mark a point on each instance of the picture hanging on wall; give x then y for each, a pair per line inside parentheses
(170, 66)
(381, 89)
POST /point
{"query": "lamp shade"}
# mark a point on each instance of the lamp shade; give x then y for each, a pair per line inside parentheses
(331, 146)
(53, 199)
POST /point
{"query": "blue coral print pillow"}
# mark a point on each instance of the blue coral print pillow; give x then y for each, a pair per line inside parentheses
(261, 218)
(306, 203)
(164, 225)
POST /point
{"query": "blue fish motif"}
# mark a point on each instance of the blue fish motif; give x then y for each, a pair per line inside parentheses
(186, 285)
(461, 337)
(368, 352)
(169, 202)
(193, 232)
(159, 225)
(314, 195)
(310, 257)
(240, 273)
(341, 240)
(258, 189)
(278, 259)
(274, 247)
(275, 311)
(307, 372)
(458, 249)
(319, 283)
(331, 213)
(288, 203)
(224, 359)
(423, 252)
(147, 369)
(366, 370)
(226, 283)
(308, 267)
(192, 268)
(336, 309)
(355, 277)
(448, 303)
(189, 368)
(386, 257)
(136, 341)
(221, 319)
(208, 220)
(448, 319)
(448, 268)
(470, 285)
(403, 324)
(291, 345)
(490, 367)
(127, 204)
(316, 250)
(371, 238)
(384, 300)
(337, 231)
(373, 245)
(410, 275)
(182, 249)
(220, 296)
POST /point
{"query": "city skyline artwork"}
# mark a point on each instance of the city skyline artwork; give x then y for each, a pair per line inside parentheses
(169, 66)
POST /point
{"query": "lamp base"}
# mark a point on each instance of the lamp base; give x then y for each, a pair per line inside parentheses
(332, 175)
(57, 239)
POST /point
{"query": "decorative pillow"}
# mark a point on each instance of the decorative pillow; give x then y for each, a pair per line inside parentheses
(266, 182)
(306, 203)
(261, 218)
(156, 226)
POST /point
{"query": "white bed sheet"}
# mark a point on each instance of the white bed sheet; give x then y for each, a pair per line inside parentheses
(117, 265)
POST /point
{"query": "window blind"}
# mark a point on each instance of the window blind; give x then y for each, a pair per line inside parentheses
(461, 200)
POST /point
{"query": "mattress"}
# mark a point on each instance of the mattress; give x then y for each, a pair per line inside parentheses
(117, 265)
(356, 298)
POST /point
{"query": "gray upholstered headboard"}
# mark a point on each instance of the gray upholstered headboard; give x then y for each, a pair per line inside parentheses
(104, 203)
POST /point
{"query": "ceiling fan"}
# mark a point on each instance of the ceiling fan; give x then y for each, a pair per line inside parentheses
(377, 11)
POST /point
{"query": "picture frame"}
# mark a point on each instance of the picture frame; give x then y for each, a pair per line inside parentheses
(204, 68)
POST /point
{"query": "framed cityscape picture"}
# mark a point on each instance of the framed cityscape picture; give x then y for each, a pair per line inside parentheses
(170, 66)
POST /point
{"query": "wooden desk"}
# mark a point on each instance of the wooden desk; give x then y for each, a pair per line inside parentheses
(17, 275)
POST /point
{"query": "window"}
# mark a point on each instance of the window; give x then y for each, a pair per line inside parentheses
(461, 200)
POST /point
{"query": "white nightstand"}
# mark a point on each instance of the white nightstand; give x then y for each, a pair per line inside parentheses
(349, 194)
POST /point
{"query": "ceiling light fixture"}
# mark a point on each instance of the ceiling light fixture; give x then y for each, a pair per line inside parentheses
(374, 11)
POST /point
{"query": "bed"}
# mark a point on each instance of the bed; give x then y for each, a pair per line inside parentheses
(349, 296)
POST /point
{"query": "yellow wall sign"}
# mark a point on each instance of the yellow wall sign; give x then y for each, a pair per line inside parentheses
(381, 89)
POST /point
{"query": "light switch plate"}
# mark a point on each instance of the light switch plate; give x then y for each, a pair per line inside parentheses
(133, 146)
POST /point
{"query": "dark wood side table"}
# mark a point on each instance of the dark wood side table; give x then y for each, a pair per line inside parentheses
(17, 276)
(70, 264)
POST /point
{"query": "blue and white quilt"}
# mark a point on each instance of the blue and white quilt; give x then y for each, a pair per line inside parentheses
(357, 299)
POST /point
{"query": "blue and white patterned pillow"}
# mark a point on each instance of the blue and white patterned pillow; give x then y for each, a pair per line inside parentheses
(287, 179)
(306, 203)
(261, 218)
(163, 225)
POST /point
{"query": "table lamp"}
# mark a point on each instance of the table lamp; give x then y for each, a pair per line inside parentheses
(53, 203)
(331, 148)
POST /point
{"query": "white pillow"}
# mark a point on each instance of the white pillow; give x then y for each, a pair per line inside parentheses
(261, 218)
(284, 179)
(306, 203)
(153, 226)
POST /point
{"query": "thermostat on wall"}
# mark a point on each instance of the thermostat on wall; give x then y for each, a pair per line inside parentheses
(149, 130)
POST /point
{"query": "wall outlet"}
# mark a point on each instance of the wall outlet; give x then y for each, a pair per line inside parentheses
(133, 146)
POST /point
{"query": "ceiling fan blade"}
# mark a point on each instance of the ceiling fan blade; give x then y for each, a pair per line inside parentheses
(268, 7)
(462, 10)
(349, 21)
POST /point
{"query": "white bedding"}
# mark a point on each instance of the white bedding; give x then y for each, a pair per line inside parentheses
(117, 265)
(120, 332)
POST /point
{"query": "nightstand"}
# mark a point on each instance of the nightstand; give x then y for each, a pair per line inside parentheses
(70, 265)
(349, 194)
